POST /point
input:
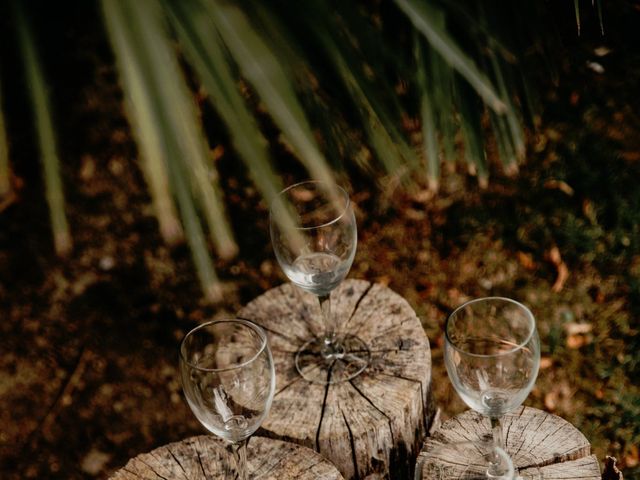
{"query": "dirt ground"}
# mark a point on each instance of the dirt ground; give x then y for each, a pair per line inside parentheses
(88, 344)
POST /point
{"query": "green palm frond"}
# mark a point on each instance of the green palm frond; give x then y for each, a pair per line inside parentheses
(261, 68)
(421, 15)
(428, 115)
(471, 126)
(167, 127)
(45, 131)
(392, 87)
(595, 3)
(205, 52)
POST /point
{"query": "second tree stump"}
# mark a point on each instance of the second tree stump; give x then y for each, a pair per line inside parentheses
(371, 425)
(537, 442)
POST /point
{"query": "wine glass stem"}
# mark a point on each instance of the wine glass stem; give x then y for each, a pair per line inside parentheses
(496, 468)
(329, 322)
(239, 451)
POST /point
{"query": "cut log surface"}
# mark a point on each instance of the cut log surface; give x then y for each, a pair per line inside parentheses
(372, 425)
(533, 438)
(206, 458)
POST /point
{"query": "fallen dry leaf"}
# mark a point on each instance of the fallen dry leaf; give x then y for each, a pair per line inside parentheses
(415, 214)
(632, 459)
(563, 271)
(589, 211)
(546, 362)
(573, 328)
(526, 260)
(423, 196)
(559, 397)
(551, 401)
(564, 187)
(577, 341)
(217, 153)
(563, 275)
(630, 156)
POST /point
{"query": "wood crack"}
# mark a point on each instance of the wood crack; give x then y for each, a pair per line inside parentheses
(200, 463)
(353, 444)
(272, 458)
(534, 447)
(315, 464)
(324, 404)
(153, 470)
(357, 306)
(274, 332)
(136, 474)
(178, 462)
(392, 396)
(374, 406)
(457, 419)
(422, 395)
(390, 329)
(296, 379)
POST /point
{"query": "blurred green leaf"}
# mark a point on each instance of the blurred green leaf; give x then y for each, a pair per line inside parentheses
(166, 121)
(143, 114)
(428, 116)
(473, 135)
(338, 79)
(263, 70)
(204, 51)
(599, 7)
(45, 131)
(421, 15)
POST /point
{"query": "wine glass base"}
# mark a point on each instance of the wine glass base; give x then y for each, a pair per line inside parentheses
(468, 460)
(339, 362)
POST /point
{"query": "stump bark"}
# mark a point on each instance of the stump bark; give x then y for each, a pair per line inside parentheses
(532, 438)
(372, 425)
(206, 458)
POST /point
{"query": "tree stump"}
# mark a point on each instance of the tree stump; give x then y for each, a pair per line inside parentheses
(532, 437)
(206, 458)
(373, 424)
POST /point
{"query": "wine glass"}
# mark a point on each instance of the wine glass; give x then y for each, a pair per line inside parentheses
(492, 355)
(316, 253)
(228, 379)
(471, 460)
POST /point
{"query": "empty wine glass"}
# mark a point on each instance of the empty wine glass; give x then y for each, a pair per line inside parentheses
(229, 380)
(492, 355)
(472, 460)
(316, 253)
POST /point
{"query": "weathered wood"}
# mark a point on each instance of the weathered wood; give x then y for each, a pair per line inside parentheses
(206, 458)
(533, 438)
(611, 472)
(373, 424)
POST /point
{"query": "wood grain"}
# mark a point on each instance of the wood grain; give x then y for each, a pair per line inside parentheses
(206, 458)
(370, 426)
(533, 439)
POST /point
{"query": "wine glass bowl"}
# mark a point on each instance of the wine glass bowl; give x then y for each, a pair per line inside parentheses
(314, 237)
(492, 356)
(228, 379)
(315, 253)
